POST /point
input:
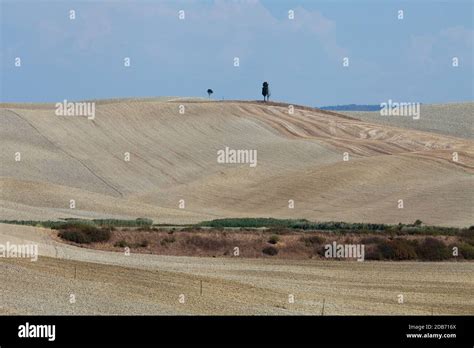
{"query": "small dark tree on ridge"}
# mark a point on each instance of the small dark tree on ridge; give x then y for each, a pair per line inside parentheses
(265, 91)
(209, 92)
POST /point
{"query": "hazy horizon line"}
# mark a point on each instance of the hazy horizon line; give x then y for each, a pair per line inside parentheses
(221, 99)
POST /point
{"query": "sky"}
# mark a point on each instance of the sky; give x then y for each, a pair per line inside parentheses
(405, 60)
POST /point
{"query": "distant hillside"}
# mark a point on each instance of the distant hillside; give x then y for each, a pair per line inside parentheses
(454, 119)
(351, 107)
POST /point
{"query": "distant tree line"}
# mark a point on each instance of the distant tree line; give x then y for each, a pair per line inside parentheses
(352, 107)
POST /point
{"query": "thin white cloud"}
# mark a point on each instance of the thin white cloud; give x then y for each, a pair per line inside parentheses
(433, 50)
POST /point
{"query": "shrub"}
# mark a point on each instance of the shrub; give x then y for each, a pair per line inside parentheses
(79, 225)
(371, 240)
(467, 251)
(319, 249)
(121, 244)
(270, 250)
(373, 254)
(101, 235)
(74, 236)
(206, 243)
(83, 233)
(467, 236)
(167, 240)
(433, 249)
(385, 250)
(312, 240)
(144, 243)
(404, 249)
(398, 249)
(273, 239)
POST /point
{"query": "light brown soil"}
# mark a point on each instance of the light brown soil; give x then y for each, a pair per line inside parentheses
(174, 157)
(113, 283)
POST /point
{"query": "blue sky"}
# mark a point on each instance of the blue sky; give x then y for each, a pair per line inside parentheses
(403, 60)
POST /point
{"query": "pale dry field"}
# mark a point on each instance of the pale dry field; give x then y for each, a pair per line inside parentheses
(113, 283)
(174, 157)
(454, 119)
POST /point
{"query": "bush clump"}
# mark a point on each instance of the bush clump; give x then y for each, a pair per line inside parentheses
(418, 222)
(167, 240)
(206, 243)
(274, 239)
(312, 240)
(74, 236)
(467, 236)
(398, 249)
(467, 251)
(372, 240)
(270, 250)
(121, 244)
(83, 233)
(433, 249)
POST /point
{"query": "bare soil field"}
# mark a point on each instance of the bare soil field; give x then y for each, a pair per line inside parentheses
(112, 283)
(173, 157)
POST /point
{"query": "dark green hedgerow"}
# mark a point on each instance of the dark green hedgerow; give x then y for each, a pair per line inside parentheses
(278, 226)
(416, 228)
(140, 222)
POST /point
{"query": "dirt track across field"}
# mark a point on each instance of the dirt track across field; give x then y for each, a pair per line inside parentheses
(113, 283)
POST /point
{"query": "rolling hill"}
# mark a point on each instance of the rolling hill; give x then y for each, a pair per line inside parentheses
(173, 157)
